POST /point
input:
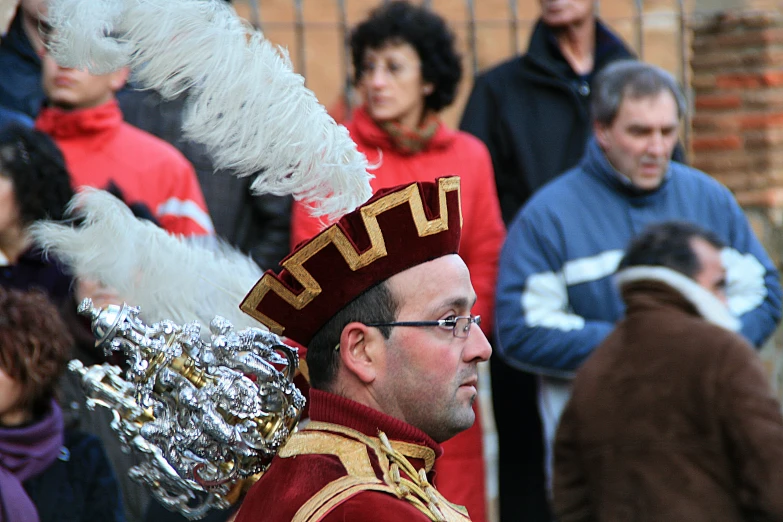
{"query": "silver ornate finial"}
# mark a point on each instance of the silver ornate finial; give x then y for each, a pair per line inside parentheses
(203, 415)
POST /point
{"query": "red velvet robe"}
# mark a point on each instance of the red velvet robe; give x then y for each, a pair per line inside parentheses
(292, 481)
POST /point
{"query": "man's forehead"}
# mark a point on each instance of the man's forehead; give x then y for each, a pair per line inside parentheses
(434, 266)
(443, 279)
(652, 105)
(704, 249)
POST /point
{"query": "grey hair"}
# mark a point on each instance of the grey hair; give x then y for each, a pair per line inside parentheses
(632, 79)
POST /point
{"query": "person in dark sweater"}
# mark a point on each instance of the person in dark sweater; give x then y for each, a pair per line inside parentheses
(47, 473)
(532, 112)
(34, 185)
(20, 83)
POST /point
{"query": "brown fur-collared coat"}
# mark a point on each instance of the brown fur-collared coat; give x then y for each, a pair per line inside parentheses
(671, 418)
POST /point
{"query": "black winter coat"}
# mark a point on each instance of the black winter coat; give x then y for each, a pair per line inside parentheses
(80, 486)
(257, 225)
(533, 114)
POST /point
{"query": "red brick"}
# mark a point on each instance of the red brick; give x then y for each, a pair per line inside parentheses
(735, 59)
(768, 198)
(749, 80)
(763, 99)
(714, 122)
(772, 78)
(716, 61)
(741, 39)
(725, 21)
(733, 181)
(761, 120)
(707, 143)
(718, 101)
(767, 161)
(757, 180)
(703, 82)
(764, 139)
(716, 162)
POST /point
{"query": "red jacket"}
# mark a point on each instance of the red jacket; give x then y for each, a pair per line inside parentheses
(335, 472)
(448, 153)
(99, 147)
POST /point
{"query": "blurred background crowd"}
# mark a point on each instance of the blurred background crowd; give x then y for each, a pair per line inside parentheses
(499, 92)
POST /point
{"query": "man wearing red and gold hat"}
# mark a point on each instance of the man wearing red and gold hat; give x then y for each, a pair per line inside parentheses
(383, 303)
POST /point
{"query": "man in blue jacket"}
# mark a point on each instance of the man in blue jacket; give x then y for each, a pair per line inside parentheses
(555, 298)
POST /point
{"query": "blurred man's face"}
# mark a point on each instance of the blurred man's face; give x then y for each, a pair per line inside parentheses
(712, 275)
(72, 89)
(562, 13)
(640, 141)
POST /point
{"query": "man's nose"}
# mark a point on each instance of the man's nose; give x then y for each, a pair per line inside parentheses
(478, 346)
(655, 147)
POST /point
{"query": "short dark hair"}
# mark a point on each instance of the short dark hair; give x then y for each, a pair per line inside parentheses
(668, 244)
(630, 79)
(425, 31)
(36, 167)
(34, 345)
(376, 305)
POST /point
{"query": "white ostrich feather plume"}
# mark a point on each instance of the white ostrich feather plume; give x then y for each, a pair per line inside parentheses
(168, 277)
(245, 102)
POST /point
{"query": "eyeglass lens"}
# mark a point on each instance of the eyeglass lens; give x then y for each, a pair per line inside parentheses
(462, 326)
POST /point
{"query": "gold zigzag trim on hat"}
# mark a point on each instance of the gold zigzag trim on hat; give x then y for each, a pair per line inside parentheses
(334, 235)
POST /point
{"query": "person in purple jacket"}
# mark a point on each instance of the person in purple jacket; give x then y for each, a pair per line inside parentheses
(48, 473)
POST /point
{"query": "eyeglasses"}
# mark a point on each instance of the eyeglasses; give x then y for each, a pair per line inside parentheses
(459, 326)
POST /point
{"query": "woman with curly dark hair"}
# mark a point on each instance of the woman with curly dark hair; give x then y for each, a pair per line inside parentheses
(47, 473)
(34, 185)
(407, 70)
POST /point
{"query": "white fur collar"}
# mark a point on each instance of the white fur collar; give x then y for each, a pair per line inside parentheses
(708, 306)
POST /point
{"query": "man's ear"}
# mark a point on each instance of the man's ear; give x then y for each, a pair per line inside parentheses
(119, 78)
(600, 131)
(359, 351)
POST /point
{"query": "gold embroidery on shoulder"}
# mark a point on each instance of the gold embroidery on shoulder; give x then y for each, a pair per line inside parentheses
(334, 235)
(414, 451)
(352, 454)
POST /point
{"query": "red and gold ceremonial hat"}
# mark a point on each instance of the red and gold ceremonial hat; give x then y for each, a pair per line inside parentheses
(396, 229)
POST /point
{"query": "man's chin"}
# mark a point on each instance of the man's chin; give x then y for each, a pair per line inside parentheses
(648, 181)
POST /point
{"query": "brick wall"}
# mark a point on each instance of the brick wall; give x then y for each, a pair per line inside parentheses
(737, 136)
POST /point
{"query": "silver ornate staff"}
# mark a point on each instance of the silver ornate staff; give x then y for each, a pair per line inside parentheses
(202, 415)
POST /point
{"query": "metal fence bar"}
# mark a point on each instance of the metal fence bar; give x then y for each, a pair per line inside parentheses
(685, 71)
(255, 14)
(514, 25)
(299, 31)
(639, 28)
(472, 41)
(345, 54)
